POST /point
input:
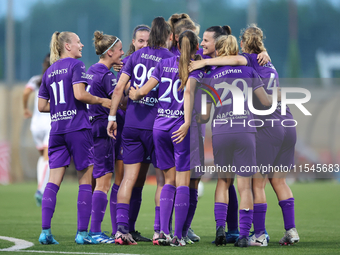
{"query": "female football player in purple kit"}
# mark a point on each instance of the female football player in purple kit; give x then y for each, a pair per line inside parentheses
(171, 126)
(140, 39)
(63, 94)
(233, 138)
(281, 150)
(140, 115)
(208, 51)
(275, 146)
(101, 82)
(180, 23)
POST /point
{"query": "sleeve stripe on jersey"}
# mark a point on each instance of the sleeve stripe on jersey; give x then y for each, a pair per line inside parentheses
(43, 97)
(155, 78)
(76, 82)
(126, 73)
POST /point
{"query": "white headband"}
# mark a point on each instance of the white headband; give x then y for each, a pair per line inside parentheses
(117, 39)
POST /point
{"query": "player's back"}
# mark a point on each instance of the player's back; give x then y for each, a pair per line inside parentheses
(67, 113)
(270, 78)
(139, 67)
(222, 79)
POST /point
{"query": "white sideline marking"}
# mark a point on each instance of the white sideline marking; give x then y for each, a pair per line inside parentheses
(20, 244)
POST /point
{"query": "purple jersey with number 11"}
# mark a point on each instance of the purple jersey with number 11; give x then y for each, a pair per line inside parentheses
(142, 113)
(67, 113)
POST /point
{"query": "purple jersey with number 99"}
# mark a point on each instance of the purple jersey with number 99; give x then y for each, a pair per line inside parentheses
(67, 113)
(142, 113)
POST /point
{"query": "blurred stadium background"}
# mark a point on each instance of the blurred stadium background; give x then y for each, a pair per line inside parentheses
(302, 38)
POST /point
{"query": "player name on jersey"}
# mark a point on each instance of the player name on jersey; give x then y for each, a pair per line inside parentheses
(219, 75)
(56, 72)
(151, 57)
(170, 69)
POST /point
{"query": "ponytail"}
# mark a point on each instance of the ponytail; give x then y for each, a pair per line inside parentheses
(184, 61)
(159, 34)
(173, 20)
(188, 42)
(226, 45)
(55, 48)
(57, 45)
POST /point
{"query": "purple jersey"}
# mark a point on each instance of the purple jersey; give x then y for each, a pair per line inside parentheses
(67, 113)
(101, 83)
(269, 77)
(243, 77)
(170, 99)
(175, 51)
(142, 113)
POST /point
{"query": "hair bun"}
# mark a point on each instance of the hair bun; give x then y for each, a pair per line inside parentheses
(98, 35)
(227, 29)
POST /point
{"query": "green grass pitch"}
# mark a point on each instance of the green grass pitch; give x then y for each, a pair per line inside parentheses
(317, 207)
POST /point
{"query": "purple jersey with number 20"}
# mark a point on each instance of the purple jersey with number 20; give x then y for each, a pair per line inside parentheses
(170, 99)
(67, 113)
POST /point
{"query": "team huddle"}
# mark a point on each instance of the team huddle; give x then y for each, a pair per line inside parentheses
(152, 112)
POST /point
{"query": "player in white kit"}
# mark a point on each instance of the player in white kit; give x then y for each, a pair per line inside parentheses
(40, 128)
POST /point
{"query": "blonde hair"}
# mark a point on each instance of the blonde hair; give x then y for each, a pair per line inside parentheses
(102, 42)
(57, 44)
(226, 45)
(252, 38)
(188, 42)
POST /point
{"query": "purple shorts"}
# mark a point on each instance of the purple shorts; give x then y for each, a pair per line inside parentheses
(275, 146)
(235, 153)
(78, 144)
(196, 151)
(138, 146)
(104, 157)
(170, 154)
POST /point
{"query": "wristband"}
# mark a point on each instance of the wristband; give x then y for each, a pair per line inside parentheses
(112, 118)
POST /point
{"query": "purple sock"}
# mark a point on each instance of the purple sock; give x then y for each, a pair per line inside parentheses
(157, 225)
(232, 215)
(171, 217)
(166, 203)
(135, 202)
(48, 204)
(246, 218)
(113, 207)
(191, 212)
(220, 210)
(123, 218)
(288, 212)
(84, 206)
(182, 201)
(259, 219)
(99, 203)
